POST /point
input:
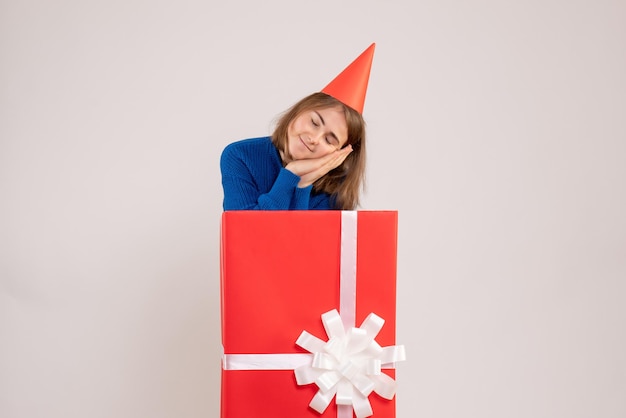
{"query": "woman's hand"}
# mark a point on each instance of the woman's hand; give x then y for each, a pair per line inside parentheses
(310, 170)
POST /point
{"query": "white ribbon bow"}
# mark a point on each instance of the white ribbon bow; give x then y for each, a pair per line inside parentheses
(348, 365)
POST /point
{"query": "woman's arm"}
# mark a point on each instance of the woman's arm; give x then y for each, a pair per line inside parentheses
(241, 189)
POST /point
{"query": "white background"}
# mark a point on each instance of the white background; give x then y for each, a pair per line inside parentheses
(497, 129)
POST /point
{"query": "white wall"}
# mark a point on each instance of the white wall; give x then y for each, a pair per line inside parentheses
(496, 128)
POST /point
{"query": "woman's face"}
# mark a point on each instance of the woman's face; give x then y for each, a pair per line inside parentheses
(316, 133)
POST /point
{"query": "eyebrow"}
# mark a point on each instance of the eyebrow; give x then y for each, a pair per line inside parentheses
(324, 123)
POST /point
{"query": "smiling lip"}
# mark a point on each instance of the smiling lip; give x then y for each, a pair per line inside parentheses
(303, 143)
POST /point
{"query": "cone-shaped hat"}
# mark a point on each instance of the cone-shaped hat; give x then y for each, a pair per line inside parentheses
(350, 86)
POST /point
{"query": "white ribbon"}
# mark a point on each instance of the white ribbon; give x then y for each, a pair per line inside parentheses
(347, 273)
(348, 366)
(264, 361)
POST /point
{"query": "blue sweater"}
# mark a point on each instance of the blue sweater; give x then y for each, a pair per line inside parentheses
(253, 177)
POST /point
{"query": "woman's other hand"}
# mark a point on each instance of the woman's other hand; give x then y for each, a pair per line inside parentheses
(311, 169)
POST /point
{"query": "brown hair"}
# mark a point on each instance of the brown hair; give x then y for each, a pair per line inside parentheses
(345, 182)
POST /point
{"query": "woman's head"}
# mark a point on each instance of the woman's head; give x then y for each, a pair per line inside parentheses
(318, 125)
(315, 133)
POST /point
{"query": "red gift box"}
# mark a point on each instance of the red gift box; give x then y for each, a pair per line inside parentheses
(280, 270)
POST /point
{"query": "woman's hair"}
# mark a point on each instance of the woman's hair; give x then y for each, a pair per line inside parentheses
(345, 182)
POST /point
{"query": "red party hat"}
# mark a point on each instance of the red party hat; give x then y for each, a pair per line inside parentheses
(350, 86)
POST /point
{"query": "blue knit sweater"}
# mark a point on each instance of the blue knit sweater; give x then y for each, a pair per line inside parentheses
(253, 177)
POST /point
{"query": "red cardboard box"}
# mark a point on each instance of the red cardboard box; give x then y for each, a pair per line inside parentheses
(280, 270)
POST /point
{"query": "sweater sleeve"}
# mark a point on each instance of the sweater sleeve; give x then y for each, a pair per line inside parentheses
(241, 191)
(320, 201)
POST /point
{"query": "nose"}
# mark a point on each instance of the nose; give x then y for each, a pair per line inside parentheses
(315, 138)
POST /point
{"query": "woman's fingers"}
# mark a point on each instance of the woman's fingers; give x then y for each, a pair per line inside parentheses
(301, 167)
(320, 166)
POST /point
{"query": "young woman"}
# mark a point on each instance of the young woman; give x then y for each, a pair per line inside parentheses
(315, 158)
